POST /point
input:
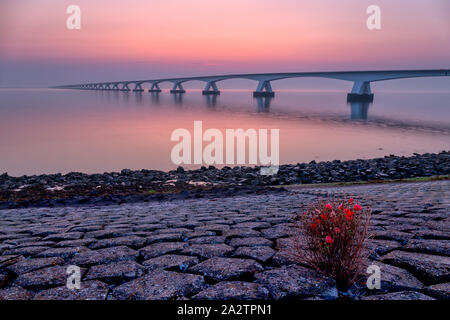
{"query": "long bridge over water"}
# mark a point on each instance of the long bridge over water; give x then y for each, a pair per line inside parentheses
(361, 90)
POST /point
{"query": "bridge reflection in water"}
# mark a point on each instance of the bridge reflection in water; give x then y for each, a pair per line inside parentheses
(358, 109)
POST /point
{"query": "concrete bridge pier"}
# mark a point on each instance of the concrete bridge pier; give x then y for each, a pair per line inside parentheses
(211, 88)
(361, 92)
(177, 88)
(138, 88)
(125, 87)
(155, 88)
(264, 89)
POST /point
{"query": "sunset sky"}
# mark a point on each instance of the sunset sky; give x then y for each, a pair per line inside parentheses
(136, 39)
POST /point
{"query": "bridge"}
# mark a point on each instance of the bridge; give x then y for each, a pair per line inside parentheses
(361, 90)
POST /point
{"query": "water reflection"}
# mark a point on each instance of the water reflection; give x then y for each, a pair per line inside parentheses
(154, 97)
(263, 103)
(211, 100)
(177, 98)
(359, 110)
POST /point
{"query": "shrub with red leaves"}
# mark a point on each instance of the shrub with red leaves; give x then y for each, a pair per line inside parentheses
(331, 238)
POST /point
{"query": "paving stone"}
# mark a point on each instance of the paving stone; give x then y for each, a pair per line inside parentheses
(402, 237)
(63, 236)
(26, 251)
(170, 261)
(7, 260)
(219, 269)
(64, 253)
(160, 285)
(283, 258)
(250, 242)
(377, 248)
(206, 251)
(403, 295)
(103, 256)
(21, 241)
(241, 233)
(75, 243)
(130, 241)
(164, 237)
(259, 253)
(15, 293)
(89, 290)
(161, 248)
(430, 269)
(233, 290)
(43, 278)
(197, 234)
(296, 282)
(116, 272)
(439, 291)
(280, 231)
(217, 228)
(438, 247)
(207, 240)
(252, 225)
(28, 265)
(105, 234)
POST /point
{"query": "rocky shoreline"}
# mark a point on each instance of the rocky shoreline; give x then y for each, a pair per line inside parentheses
(145, 185)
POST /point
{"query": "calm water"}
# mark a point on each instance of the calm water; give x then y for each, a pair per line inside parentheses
(49, 131)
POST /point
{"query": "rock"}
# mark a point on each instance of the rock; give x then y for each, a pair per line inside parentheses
(250, 242)
(207, 240)
(170, 261)
(103, 256)
(63, 236)
(161, 248)
(115, 272)
(241, 233)
(403, 295)
(219, 269)
(259, 253)
(377, 248)
(26, 251)
(64, 253)
(75, 243)
(206, 251)
(130, 241)
(297, 282)
(233, 290)
(439, 247)
(3, 279)
(279, 231)
(28, 265)
(164, 238)
(439, 291)
(15, 293)
(90, 290)
(430, 269)
(8, 260)
(160, 285)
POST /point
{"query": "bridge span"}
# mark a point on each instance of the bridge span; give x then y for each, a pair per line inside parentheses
(361, 90)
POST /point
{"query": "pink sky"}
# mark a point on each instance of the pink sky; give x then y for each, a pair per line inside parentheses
(135, 38)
